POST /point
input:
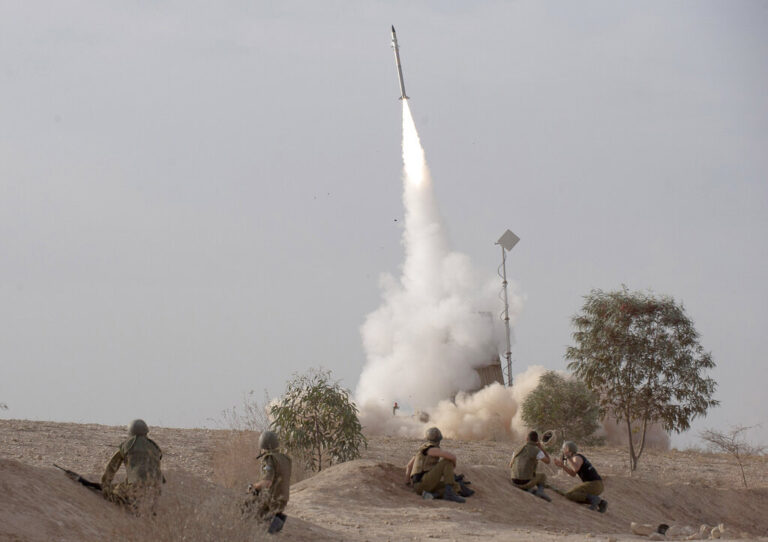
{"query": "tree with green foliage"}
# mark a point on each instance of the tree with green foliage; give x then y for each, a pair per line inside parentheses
(317, 421)
(564, 405)
(640, 354)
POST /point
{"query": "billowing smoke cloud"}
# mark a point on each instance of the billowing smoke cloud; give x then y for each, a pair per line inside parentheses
(433, 327)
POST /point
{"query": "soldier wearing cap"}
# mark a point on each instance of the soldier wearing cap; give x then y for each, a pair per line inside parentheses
(143, 477)
(268, 497)
(431, 471)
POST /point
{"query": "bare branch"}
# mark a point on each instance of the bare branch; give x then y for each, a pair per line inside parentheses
(733, 443)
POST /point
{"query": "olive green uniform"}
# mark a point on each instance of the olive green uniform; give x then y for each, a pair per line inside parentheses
(523, 467)
(143, 477)
(430, 473)
(272, 500)
(581, 492)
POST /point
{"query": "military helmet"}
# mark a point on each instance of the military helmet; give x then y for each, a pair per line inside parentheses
(268, 440)
(570, 446)
(434, 434)
(138, 428)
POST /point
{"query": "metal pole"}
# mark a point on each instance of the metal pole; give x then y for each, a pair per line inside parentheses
(508, 353)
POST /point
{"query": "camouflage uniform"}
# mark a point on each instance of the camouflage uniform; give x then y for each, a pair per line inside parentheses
(143, 477)
(270, 501)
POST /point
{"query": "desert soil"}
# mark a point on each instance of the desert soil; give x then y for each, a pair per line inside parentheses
(207, 471)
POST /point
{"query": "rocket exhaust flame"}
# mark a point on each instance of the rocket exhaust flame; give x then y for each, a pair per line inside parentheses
(425, 339)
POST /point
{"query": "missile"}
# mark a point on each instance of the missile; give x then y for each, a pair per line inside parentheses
(397, 62)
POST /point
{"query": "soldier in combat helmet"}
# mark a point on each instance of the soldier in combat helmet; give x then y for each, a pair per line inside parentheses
(143, 477)
(268, 497)
(431, 471)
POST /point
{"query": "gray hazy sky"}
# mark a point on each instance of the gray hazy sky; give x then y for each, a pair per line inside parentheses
(197, 198)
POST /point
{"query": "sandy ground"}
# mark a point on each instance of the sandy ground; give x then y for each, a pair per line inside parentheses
(360, 500)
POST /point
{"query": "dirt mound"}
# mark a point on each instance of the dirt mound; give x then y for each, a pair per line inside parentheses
(369, 499)
(42, 504)
(359, 500)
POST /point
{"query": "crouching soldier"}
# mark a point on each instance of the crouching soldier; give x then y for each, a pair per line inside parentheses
(524, 463)
(591, 483)
(431, 471)
(143, 477)
(268, 497)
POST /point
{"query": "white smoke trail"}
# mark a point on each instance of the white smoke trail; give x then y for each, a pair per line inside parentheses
(428, 335)
(423, 343)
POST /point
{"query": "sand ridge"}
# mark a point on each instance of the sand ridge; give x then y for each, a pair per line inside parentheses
(360, 500)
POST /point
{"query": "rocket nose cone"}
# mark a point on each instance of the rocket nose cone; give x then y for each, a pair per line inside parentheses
(393, 29)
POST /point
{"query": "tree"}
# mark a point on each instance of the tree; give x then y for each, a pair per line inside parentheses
(316, 420)
(640, 354)
(564, 405)
(732, 443)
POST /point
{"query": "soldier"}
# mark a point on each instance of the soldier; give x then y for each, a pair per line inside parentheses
(143, 477)
(268, 497)
(523, 466)
(592, 484)
(431, 471)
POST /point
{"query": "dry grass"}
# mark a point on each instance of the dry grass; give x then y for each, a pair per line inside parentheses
(235, 463)
(234, 460)
(210, 519)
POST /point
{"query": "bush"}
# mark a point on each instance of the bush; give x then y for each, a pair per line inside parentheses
(564, 405)
(733, 443)
(317, 422)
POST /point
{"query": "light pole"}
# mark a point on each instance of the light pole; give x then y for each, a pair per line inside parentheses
(507, 242)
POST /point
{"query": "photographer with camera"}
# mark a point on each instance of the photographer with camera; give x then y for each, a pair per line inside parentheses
(591, 485)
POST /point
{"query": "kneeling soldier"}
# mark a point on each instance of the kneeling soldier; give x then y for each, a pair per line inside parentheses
(431, 470)
(268, 497)
(523, 466)
(142, 471)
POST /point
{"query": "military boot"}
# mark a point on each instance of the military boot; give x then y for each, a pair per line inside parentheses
(603, 506)
(594, 501)
(450, 495)
(539, 492)
(427, 496)
(276, 525)
(464, 491)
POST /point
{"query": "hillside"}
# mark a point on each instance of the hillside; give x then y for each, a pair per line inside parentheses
(359, 500)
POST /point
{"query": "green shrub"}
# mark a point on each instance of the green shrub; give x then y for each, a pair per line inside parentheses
(317, 422)
(564, 405)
